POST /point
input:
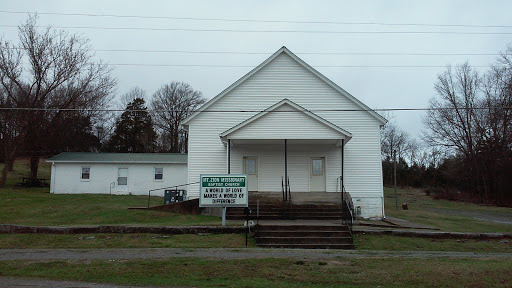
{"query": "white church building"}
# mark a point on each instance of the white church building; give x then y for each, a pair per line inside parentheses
(286, 120)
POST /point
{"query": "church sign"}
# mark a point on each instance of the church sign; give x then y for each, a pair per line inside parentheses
(223, 190)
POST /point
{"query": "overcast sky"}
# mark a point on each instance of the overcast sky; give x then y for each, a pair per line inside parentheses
(378, 87)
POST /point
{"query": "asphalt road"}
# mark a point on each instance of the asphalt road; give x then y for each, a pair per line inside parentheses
(39, 283)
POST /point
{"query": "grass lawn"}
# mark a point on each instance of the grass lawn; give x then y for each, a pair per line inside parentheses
(36, 206)
(362, 241)
(375, 272)
(425, 210)
(397, 243)
(34, 241)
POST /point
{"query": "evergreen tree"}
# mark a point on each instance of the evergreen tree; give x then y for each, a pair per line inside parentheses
(134, 130)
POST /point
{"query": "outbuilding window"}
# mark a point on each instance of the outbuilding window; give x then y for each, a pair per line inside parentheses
(159, 174)
(86, 173)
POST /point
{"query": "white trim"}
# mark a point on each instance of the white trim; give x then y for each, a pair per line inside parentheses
(305, 65)
(82, 174)
(257, 170)
(154, 174)
(115, 162)
(52, 178)
(127, 179)
(347, 135)
(310, 167)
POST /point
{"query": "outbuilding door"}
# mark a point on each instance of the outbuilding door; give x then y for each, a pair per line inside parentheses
(122, 180)
(251, 169)
(317, 174)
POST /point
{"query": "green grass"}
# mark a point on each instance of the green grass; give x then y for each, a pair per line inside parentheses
(48, 241)
(362, 241)
(21, 169)
(36, 206)
(375, 272)
(397, 243)
(425, 210)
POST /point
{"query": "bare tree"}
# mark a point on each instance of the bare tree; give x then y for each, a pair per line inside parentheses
(131, 95)
(452, 121)
(9, 134)
(451, 118)
(171, 105)
(495, 127)
(414, 151)
(50, 71)
(393, 139)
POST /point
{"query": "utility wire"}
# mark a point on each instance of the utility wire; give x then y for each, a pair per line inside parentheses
(258, 20)
(303, 53)
(270, 31)
(316, 66)
(252, 66)
(252, 111)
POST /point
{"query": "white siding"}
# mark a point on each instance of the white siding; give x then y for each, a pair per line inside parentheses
(285, 78)
(66, 178)
(285, 125)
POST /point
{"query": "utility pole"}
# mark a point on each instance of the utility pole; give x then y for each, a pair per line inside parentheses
(394, 164)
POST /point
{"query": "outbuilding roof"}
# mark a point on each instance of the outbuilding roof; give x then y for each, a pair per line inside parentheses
(89, 157)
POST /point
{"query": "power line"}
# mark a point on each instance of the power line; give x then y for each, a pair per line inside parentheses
(271, 31)
(316, 66)
(252, 111)
(252, 66)
(259, 20)
(303, 53)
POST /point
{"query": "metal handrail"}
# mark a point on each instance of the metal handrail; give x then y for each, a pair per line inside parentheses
(346, 205)
(349, 221)
(290, 198)
(174, 186)
(282, 188)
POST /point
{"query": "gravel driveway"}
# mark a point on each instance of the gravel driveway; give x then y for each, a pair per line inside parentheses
(496, 217)
(225, 253)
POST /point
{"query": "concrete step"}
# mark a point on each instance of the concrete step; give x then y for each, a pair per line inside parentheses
(281, 217)
(300, 227)
(304, 240)
(302, 233)
(286, 206)
(276, 210)
(305, 206)
(307, 246)
(304, 236)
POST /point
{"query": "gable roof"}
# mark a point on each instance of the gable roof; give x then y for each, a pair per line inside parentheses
(276, 106)
(147, 158)
(302, 63)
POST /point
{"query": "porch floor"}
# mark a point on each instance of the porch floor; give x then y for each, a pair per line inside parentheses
(298, 197)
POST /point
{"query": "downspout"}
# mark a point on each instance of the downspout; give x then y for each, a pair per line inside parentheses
(286, 169)
(52, 178)
(229, 156)
(342, 164)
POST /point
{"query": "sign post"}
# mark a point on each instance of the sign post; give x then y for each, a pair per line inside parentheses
(223, 190)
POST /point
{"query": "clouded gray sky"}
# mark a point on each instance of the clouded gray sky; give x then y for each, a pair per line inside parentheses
(378, 87)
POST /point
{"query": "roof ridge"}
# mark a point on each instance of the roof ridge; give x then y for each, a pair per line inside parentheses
(301, 62)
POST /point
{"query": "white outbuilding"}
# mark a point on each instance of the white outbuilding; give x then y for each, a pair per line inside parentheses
(286, 120)
(116, 173)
